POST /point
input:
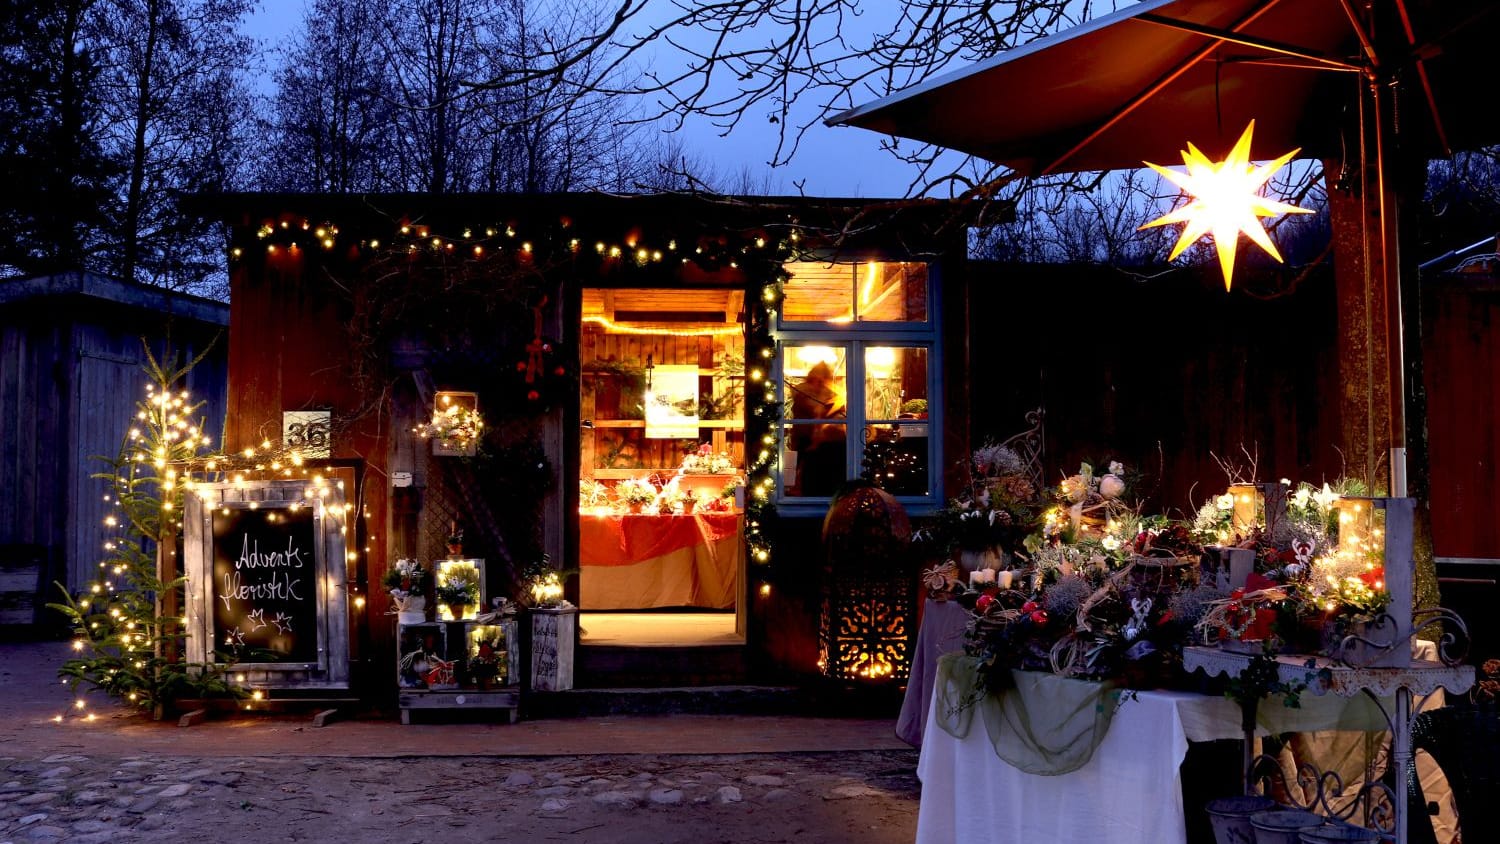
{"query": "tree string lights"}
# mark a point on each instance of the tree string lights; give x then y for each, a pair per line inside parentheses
(125, 643)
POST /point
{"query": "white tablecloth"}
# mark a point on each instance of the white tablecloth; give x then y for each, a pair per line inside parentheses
(1130, 792)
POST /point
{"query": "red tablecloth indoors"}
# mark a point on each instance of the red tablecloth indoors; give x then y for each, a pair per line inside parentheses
(640, 561)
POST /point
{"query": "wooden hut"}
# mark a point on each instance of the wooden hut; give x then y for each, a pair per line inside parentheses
(71, 354)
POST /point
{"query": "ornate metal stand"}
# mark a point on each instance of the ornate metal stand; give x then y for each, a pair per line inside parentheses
(1327, 676)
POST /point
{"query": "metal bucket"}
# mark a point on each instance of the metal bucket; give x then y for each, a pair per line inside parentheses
(1335, 833)
(1283, 826)
(1230, 817)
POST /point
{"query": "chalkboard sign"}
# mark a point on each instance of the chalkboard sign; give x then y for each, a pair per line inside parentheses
(265, 584)
(267, 571)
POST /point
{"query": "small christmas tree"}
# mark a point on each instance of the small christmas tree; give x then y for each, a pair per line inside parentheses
(127, 633)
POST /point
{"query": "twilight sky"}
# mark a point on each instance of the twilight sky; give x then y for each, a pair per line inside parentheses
(830, 162)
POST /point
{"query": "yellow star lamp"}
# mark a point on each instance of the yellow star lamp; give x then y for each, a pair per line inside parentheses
(1226, 201)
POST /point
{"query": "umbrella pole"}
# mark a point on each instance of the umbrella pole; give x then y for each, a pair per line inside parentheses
(1390, 278)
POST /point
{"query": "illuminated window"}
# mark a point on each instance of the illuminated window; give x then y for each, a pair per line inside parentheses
(857, 366)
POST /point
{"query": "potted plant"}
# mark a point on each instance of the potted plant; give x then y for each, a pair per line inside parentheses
(455, 540)
(487, 655)
(459, 591)
(636, 493)
(407, 583)
(914, 408)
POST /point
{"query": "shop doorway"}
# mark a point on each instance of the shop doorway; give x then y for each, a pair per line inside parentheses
(662, 467)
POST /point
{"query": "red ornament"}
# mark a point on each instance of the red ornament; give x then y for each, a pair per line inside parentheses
(984, 602)
(1039, 617)
(558, 371)
(533, 395)
(521, 367)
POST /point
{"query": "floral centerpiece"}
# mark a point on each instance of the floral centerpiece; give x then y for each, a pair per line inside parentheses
(706, 461)
(407, 583)
(1310, 590)
(487, 654)
(459, 590)
(636, 493)
(1102, 597)
(592, 493)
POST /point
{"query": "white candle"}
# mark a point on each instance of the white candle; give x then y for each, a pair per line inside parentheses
(1003, 578)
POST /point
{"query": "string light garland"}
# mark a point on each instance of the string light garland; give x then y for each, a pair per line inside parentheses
(757, 255)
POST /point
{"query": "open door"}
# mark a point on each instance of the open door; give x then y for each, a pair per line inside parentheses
(661, 516)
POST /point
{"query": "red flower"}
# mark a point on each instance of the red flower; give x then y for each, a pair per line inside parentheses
(1374, 578)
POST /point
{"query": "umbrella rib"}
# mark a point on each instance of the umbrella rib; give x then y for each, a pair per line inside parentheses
(1359, 31)
(1164, 81)
(1432, 106)
(1246, 40)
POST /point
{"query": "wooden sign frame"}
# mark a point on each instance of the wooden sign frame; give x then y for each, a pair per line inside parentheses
(330, 670)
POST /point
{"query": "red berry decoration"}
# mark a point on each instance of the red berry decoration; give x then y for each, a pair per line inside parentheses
(533, 395)
(521, 367)
(558, 371)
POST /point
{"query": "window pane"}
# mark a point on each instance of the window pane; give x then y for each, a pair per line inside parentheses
(892, 292)
(813, 382)
(818, 293)
(895, 382)
(813, 460)
(896, 458)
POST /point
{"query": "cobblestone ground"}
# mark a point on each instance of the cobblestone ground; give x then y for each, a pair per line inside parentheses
(866, 796)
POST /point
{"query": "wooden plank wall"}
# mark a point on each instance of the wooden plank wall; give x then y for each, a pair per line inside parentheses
(1462, 367)
(287, 352)
(33, 427)
(70, 374)
(1162, 375)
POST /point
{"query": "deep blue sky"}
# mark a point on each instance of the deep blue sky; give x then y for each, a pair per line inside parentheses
(832, 161)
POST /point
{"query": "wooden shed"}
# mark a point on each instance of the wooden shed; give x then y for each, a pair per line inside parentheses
(71, 352)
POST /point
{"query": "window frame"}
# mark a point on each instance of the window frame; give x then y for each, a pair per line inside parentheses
(855, 338)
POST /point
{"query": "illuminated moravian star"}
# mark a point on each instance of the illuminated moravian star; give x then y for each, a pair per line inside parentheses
(1226, 201)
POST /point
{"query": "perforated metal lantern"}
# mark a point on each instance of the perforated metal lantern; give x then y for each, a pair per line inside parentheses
(869, 598)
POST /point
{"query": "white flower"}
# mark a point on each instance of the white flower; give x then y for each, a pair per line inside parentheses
(1116, 467)
(1225, 501)
(1325, 497)
(1110, 543)
(1301, 496)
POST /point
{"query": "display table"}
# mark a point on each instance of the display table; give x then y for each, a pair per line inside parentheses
(1130, 791)
(641, 561)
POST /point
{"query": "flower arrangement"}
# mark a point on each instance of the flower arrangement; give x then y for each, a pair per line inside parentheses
(405, 579)
(997, 507)
(705, 461)
(592, 493)
(454, 424)
(487, 653)
(636, 492)
(543, 584)
(459, 588)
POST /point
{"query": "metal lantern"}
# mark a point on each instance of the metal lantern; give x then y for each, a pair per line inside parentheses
(869, 599)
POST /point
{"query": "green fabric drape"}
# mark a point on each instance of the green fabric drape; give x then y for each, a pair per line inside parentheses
(1043, 724)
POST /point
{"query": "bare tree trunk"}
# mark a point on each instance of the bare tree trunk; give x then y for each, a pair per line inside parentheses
(130, 229)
